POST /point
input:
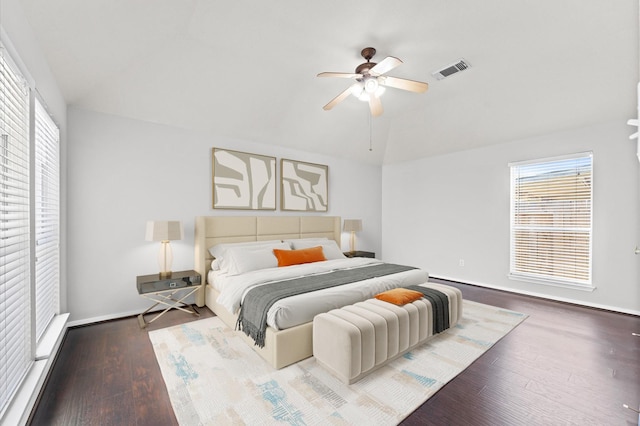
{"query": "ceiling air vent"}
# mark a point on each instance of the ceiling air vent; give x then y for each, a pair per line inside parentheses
(451, 69)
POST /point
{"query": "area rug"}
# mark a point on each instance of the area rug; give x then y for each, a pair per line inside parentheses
(214, 378)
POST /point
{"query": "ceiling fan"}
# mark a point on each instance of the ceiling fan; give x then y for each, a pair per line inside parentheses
(370, 81)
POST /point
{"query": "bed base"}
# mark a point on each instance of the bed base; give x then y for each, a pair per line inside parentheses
(282, 347)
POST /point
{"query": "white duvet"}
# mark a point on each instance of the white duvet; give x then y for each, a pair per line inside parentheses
(300, 309)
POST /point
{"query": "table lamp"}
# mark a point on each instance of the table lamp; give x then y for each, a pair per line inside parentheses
(164, 231)
(353, 226)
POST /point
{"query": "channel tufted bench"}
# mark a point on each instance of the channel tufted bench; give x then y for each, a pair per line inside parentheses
(355, 340)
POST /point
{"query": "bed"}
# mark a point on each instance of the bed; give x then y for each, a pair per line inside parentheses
(286, 346)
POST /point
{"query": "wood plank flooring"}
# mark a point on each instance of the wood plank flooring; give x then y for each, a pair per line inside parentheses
(565, 365)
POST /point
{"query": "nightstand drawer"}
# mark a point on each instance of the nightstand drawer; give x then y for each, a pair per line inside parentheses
(153, 283)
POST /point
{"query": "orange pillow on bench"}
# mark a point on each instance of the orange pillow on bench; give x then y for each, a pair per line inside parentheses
(399, 296)
(297, 257)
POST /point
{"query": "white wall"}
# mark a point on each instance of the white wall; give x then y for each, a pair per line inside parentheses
(439, 210)
(124, 172)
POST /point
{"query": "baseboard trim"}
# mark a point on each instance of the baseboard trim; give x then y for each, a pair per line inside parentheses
(542, 296)
(103, 318)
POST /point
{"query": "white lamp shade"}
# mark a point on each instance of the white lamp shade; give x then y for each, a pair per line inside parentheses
(352, 225)
(164, 230)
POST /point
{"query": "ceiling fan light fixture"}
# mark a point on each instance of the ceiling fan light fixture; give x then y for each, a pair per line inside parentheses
(371, 84)
(360, 92)
(357, 88)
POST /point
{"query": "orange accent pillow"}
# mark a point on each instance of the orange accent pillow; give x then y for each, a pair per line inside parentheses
(297, 257)
(399, 296)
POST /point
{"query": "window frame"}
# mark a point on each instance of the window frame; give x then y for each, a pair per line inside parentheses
(16, 356)
(45, 203)
(541, 276)
(39, 343)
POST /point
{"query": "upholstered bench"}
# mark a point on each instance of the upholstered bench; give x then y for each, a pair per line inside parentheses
(355, 340)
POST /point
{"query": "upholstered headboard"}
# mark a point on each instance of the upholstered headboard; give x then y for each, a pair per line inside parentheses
(211, 230)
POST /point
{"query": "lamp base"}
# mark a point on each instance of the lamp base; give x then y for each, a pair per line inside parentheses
(165, 259)
(352, 242)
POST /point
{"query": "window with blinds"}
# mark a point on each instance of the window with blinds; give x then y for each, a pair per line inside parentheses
(47, 218)
(15, 345)
(551, 203)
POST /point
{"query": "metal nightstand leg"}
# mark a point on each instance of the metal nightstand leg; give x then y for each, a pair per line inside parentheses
(170, 302)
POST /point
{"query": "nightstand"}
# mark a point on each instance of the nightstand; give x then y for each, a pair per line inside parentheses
(359, 253)
(168, 291)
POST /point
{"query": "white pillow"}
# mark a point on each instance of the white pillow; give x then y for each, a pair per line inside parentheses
(239, 260)
(300, 243)
(215, 264)
(218, 250)
(329, 248)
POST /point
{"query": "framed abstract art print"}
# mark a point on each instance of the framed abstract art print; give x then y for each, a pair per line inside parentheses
(243, 181)
(304, 186)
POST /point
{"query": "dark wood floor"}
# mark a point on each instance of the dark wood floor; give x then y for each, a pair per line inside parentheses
(564, 365)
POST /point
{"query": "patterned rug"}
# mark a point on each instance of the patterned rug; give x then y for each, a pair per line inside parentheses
(215, 378)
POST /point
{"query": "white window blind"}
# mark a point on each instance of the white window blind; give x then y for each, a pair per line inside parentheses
(47, 218)
(551, 220)
(15, 346)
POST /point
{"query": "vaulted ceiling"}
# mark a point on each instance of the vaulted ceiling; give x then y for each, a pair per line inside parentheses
(247, 69)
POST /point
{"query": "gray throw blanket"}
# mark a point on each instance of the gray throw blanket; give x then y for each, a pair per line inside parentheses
(439, 303)
(252, 319)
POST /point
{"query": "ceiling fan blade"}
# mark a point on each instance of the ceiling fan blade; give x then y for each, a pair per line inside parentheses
(386, 65)
(375, 105)
(339, 75)
(341, 97)
(404, 84)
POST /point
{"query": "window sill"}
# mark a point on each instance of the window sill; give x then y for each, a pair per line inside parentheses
(22, 403)
(552, 283)
(52, 337)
